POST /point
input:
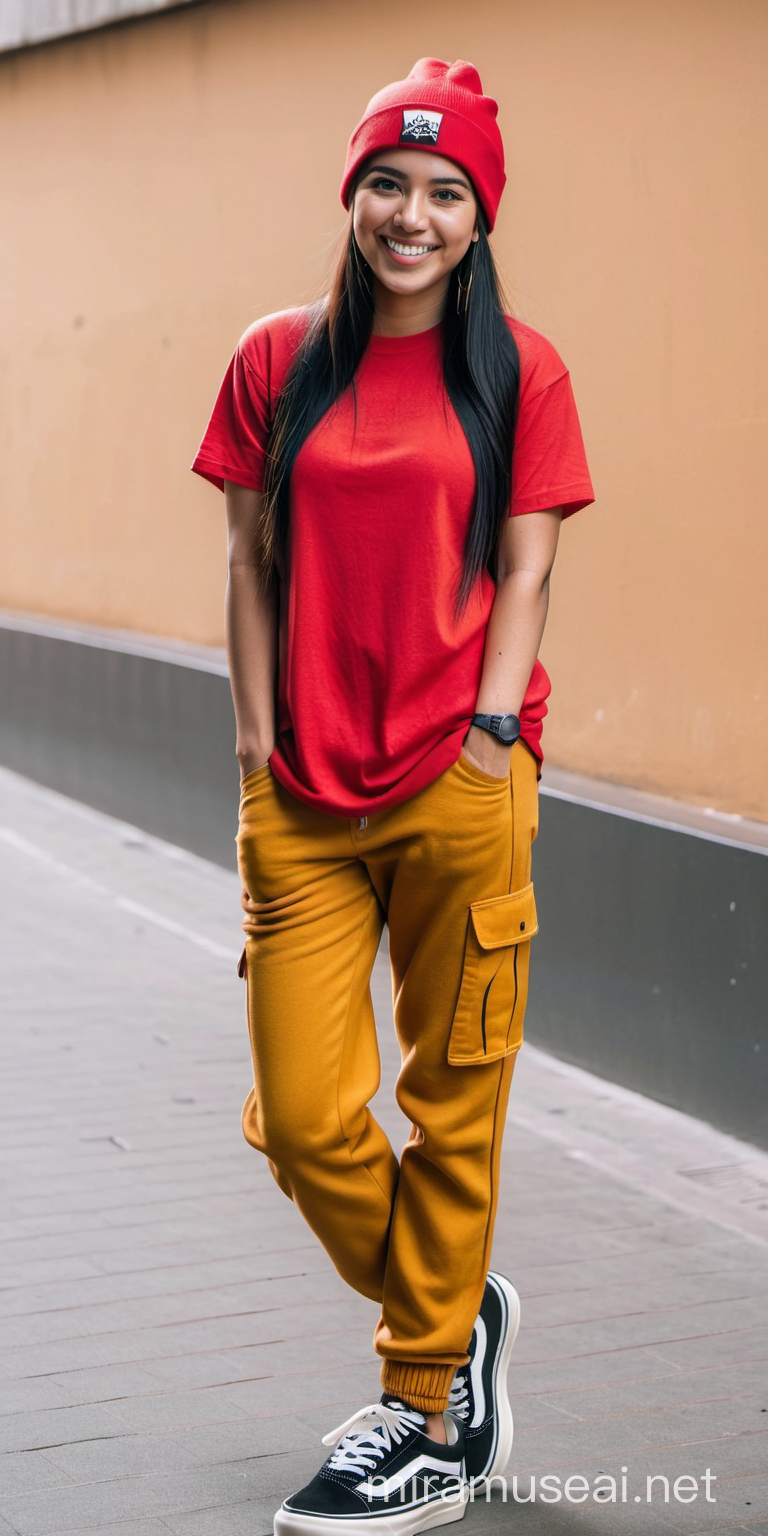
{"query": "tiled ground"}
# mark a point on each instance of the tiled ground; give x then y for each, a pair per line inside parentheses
(173, 1341)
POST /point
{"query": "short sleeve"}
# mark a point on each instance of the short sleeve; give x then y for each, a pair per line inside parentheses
(549, 464)
(234, 445)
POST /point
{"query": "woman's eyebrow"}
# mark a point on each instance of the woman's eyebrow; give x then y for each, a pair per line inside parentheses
(387, 170)
(435, 181)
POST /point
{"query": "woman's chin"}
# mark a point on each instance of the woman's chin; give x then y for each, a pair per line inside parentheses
(408, 282)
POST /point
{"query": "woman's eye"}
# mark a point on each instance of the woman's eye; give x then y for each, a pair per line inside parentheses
(383, 184)
(445, 195)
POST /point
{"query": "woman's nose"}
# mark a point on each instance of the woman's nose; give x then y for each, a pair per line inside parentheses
(413, 214)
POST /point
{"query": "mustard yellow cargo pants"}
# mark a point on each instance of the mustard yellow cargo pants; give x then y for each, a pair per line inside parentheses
(449, 871)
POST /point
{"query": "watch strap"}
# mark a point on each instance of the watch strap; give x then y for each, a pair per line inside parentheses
(491, 723)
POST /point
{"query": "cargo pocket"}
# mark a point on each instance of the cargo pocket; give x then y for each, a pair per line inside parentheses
(488, 1018)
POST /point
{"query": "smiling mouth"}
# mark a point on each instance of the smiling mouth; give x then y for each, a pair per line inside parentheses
(407, 250)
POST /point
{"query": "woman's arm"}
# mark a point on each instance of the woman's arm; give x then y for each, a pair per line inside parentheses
(250, 610)
(527, 551)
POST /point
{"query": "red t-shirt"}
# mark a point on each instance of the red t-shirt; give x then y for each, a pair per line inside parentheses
(376, 688)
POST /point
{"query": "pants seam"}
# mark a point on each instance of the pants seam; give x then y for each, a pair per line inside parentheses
(363, 929)
(493, 1184)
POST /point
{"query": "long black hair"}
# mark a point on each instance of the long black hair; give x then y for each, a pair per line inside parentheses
(482, 374)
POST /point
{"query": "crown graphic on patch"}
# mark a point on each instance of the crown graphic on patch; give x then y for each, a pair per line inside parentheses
(420, 127)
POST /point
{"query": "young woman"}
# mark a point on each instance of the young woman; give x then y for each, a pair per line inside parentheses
(385, 603)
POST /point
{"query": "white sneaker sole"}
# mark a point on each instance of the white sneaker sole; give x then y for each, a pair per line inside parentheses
(290, 1522)
(505, 1422)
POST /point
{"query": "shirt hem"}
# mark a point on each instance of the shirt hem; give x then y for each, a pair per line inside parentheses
(362, 805)
(217, 473)
(570, 497)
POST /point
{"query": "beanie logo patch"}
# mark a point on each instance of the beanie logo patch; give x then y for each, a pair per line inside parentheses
(420, 127)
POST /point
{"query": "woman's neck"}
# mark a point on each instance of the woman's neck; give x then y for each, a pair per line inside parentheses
(405, 314)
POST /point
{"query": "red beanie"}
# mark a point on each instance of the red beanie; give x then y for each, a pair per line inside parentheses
(440, 107)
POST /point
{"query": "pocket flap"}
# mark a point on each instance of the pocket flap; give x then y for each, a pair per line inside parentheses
(500, 920)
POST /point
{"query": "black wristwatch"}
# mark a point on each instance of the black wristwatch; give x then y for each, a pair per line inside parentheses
(505, 727)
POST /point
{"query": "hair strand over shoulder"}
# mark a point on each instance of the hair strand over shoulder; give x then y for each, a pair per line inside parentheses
(482, 374)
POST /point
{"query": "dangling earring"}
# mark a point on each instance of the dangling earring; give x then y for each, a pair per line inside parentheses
(462, 290)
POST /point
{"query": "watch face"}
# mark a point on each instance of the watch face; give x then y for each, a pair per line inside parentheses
(509, 729)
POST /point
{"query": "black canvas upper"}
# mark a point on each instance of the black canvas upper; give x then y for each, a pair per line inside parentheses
(473, 1397)
(381, 1446)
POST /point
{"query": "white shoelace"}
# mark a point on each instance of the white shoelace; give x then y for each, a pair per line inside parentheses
(458, 1401)
(358, 1450)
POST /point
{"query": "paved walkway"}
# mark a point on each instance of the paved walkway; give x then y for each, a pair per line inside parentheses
(174, 1342)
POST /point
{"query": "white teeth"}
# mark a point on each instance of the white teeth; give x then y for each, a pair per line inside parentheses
(408, 250)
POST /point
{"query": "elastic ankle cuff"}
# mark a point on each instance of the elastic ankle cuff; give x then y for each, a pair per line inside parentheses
(426, 1387)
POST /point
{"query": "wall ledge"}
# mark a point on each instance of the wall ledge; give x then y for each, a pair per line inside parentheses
(651, 965)
(130, 642)
(558, 783)
(28, 23)
(655, 810)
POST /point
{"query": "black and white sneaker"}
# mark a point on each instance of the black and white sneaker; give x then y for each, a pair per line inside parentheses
(385, 1474)
(478, 1394)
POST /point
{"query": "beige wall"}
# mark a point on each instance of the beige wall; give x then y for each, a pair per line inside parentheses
(164, 183)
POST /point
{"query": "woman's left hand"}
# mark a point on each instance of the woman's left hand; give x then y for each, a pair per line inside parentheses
(486, 752)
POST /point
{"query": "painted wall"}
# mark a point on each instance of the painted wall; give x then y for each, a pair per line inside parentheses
(165, 182)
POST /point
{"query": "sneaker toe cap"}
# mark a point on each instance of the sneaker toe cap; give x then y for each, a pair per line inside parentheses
(325, 1496)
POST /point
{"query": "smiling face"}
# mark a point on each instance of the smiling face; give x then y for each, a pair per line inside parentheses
(414, 216)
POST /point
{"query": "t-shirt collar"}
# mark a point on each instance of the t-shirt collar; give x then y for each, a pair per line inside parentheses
(419, 341)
